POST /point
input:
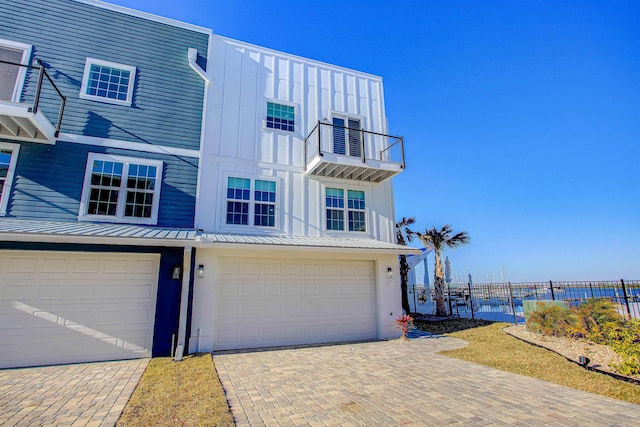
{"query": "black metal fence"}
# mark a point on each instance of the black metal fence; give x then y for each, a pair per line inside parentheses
(505, 301)
(353, 142)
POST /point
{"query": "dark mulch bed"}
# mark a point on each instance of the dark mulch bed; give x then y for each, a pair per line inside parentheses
(446, 325)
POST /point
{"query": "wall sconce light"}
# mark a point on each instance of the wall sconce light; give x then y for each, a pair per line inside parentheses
(176, 271)
(389, 273)
(200, 271)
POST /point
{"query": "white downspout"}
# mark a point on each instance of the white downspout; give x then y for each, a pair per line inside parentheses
(184, 303)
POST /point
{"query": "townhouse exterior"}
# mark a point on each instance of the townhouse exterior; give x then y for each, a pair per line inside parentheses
(165, 190)
(95, 215)
(298, 217)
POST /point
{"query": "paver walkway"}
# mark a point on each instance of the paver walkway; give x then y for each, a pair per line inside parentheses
(87, 394)
(396, 383)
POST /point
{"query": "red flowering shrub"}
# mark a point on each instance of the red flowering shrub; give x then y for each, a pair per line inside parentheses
(405, 324)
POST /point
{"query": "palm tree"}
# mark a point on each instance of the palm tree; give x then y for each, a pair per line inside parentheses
(439, 240)
(404, 235)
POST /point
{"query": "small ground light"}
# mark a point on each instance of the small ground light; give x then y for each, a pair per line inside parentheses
(584, 361)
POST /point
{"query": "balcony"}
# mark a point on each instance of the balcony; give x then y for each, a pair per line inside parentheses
(349, 152)
(27, 91)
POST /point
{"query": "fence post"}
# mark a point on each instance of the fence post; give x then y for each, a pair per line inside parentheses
(471, 300)
(553, 295)
(591, 289)
(513, 304)
(626, 299)
(449, 298)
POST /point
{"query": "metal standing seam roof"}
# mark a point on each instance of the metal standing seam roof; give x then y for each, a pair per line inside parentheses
(86, 229)
(211, 239)
(49, 230)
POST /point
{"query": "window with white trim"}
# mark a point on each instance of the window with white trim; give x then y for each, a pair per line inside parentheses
(121, 189)
(345, 208)
(108, 82)
(251, 199)
(280, 116)
(12, 76)
(8, 159)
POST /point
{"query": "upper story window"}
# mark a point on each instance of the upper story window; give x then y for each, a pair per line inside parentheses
(121, 189)
(108, 82)
(281, 116)
(341, 211)
(12, 76)
(8, 159)
(248, 198)
(347, 138)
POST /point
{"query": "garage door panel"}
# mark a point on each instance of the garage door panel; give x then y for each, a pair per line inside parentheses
(311, 289)
(250, 289)
(272, 289)
(292, 269)
(66, 307)
(310, 302)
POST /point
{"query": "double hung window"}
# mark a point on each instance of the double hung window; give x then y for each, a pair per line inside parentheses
(108, 82)
(251, 202)
(349, 211)
(121, 189)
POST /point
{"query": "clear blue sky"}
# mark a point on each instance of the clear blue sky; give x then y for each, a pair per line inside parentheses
(521, 118)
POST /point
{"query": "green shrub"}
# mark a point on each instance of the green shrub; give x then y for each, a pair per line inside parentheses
(624, 339)
(552, 320)
(592, 315)
(597, 320)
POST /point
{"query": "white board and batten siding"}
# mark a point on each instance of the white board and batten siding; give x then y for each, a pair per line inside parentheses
(69, 307)
(238, 143)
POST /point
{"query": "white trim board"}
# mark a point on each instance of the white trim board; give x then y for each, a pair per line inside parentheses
(147, 16)
(128, 145)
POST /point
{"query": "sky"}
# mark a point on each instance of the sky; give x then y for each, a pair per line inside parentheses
(521, 119)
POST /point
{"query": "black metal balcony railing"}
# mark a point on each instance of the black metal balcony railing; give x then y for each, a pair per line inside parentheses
(356, 153)
(40, 93)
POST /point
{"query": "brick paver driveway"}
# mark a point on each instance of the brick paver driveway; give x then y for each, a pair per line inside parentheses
(395, 383)
(87, 394)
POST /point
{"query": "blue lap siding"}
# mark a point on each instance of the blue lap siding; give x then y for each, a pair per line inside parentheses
(49, 178)
(167, 96)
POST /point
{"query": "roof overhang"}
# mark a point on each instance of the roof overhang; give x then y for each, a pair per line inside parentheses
(96, 234)
(13, 230)
(287, 242)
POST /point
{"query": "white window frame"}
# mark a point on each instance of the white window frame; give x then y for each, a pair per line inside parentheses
(296, 116)
(346, 209)
(252, 203)
(8, 183)
(119, 217)
(85, 81)
(22, 72)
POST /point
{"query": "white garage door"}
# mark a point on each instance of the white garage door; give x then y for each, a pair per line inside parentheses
(262, 303)
(65, 307)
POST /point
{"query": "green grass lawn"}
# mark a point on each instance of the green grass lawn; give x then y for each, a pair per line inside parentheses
(186, 393)
(489, 346)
